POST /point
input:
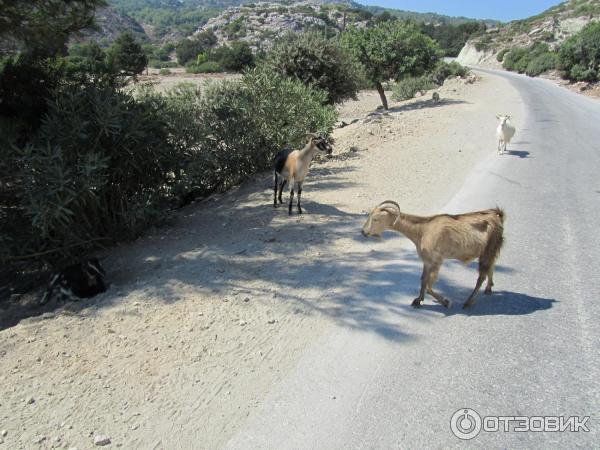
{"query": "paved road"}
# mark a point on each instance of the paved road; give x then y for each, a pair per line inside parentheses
(532, 349)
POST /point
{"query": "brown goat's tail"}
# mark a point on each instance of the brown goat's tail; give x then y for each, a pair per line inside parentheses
(493, 246)
(501, 214)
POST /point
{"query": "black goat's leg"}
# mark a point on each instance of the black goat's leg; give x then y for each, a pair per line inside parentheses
(299, 195)
(291, 201)
(283, 183)
(275, 183)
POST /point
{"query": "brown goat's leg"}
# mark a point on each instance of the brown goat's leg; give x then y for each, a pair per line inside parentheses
(471, 298)
(490, 281)
(433, 276)
(439, 298)
(424, 281)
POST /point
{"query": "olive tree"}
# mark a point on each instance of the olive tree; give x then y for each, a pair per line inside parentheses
(391, 50)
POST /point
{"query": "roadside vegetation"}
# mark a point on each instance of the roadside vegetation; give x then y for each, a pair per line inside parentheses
(85, 163)
(408, 87)
(89, 157)
(577, 59)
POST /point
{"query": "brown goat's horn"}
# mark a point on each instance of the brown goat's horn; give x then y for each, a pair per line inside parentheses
(395, 212)
(391, 202)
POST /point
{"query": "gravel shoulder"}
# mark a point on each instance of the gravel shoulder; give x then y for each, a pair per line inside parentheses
(206, 315)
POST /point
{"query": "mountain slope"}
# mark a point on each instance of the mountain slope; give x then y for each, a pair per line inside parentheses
(174, 19)
(552, 26)
(109, 23)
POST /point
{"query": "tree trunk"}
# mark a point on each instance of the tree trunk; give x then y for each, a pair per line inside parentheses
(382, 95)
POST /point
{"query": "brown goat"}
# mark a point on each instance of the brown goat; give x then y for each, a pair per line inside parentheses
(464, 237)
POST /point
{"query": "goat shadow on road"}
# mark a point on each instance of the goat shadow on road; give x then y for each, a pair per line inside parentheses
(520, 153)
(499, 303)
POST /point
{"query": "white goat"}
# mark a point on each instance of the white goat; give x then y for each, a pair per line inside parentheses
(504, 132)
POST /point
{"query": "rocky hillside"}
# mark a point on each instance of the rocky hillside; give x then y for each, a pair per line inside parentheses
(260, 24)
(109, 24)
(552, 26)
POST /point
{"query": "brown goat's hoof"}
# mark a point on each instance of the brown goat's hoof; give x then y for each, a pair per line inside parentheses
(488, 292)
(416, 303)
(447, 303)
(467, 305)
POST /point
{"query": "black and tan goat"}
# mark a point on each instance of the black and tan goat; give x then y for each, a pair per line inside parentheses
(465, 237)
(82, 280)
(291, 167)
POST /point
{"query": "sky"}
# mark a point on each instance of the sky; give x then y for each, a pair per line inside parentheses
(504, 10)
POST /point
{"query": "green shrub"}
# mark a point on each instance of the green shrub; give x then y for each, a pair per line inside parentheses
(501, 54)
(125, 56)
(205, 67)
(445, 70)
(316, 60)
(533, 60)
(106, 164)
(97, 171)
(581, 73)
(164, 71)
(188, 49)
(540, 64)
(408, 88)
(516, 60)
(162, 64)
(484, 43)
(245, 123)
(234, 57)
(579, 56)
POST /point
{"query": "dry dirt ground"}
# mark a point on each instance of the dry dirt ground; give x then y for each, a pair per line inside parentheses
(178, 75)
(205, 315)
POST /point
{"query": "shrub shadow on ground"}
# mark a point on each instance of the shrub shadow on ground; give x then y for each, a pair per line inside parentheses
(423, 104)
(316, 263)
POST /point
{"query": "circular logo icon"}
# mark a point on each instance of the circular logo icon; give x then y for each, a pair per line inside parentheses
(465, 424)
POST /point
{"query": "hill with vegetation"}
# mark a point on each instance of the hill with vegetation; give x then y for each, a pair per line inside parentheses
(165, 20)
(549, 29)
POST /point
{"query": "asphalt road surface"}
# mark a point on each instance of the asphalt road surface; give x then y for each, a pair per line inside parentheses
(530, 350)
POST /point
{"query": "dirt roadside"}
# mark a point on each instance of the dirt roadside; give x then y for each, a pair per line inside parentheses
(204, 316)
